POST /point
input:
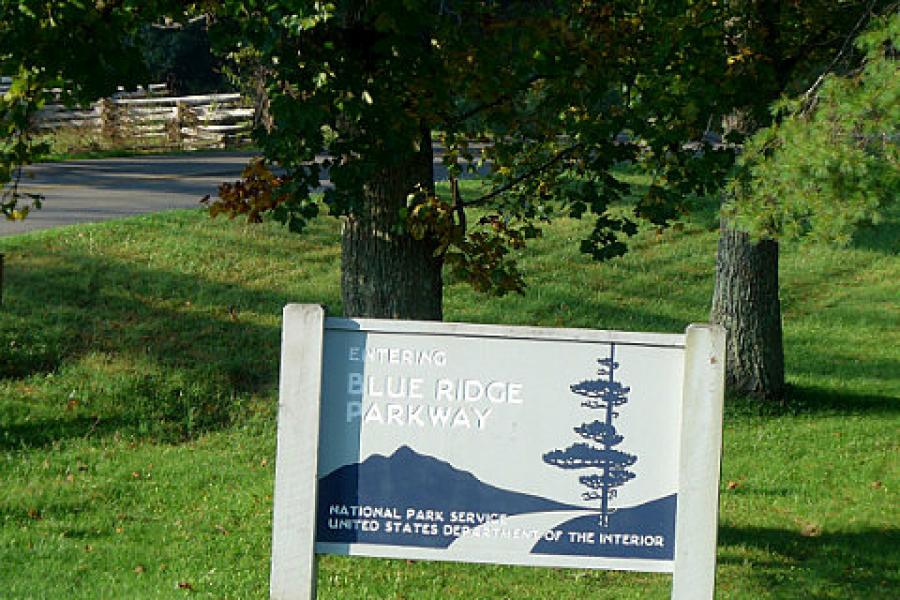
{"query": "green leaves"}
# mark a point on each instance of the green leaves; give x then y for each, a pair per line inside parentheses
(17, 146)
(484, 258)
(605, 241)
(319, 13)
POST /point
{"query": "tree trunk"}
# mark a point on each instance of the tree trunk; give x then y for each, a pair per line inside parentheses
(746, 303)
(386, 273)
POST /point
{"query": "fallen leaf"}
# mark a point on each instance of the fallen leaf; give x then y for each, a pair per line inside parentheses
(34, 513)
(811, 530)
(876, 485)
(184, 585)
(732, 485)
(139, 569)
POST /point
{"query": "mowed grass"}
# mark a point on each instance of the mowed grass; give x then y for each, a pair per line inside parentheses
(138, 376)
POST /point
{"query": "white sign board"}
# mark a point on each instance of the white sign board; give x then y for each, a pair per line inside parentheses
(511, 445)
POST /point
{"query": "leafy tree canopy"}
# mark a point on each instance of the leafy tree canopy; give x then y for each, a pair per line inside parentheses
(564, 90)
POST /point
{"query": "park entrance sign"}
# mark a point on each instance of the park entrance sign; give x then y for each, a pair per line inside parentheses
(510, 445)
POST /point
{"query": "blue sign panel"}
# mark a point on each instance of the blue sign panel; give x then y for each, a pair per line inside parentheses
(542, 447)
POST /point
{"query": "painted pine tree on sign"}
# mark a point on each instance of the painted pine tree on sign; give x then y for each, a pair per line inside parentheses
(599, 451)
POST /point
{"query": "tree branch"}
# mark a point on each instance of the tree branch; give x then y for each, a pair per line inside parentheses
(503, 98)
(527, 175)
(809, 95)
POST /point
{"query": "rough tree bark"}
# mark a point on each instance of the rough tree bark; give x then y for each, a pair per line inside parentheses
(386, 274)
(747, 304)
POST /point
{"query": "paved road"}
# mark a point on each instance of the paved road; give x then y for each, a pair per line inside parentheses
(85, 191)
(95, 190)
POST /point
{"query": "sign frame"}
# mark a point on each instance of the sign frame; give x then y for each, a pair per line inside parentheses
(293, 565)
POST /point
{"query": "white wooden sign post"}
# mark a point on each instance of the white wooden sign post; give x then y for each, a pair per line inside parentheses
(511, 445)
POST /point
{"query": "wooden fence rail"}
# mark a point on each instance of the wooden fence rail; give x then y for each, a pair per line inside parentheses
(148, 121)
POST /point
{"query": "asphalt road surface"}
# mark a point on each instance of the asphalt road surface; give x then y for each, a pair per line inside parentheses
(84, 191)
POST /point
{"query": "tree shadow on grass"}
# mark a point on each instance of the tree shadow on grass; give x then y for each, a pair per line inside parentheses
(814, 401)
(883, 237)
(861, 564)
(42, 433)
(133, 349)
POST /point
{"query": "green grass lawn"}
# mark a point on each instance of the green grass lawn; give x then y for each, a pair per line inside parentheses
(138, 372)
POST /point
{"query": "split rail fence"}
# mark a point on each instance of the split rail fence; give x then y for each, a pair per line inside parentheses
(149, 119)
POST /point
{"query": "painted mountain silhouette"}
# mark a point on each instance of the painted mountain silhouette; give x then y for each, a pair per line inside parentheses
(387, 485)
(632, 533)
